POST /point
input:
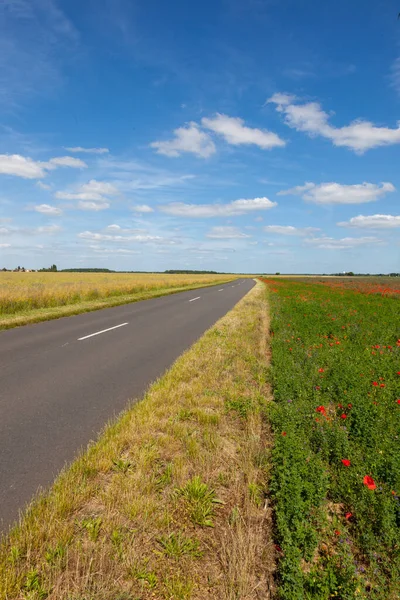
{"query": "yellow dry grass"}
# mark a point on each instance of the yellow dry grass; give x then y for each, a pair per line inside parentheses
(30, 297)
(170, 502)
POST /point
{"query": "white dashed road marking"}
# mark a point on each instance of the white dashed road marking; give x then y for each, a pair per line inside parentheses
(102, 331)
(193, 299)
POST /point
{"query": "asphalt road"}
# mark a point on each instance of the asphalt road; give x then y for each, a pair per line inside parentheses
(62, 380)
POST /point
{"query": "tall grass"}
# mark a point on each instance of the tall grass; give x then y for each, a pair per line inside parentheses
(21, 292)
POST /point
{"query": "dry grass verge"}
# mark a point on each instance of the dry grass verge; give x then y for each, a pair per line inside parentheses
(170, 502)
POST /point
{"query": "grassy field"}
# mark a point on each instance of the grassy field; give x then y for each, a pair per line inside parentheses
(383, 286)
(336, 419)
(170, 502)
(32, 297)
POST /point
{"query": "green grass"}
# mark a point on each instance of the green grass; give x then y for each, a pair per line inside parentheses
(336, 376)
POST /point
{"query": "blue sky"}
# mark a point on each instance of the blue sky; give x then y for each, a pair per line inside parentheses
(234, 135)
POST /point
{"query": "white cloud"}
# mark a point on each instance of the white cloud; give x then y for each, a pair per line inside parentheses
(329, 243)
(113, 227)
(187, 139)
(142, 208)
(5, 245)
(236, 133)
(237, 207)
(47, 209)
(91, 235)
(21, 166)
(103, 250)
(100, 187)
(48, 229)
(226, 233)
(65, 161)
(14, 164)
(79, 149)
(43, 186)
(336, 193)
(372, 222)
(289, 230)
(91, 195)
(85, 205)
(359, 135)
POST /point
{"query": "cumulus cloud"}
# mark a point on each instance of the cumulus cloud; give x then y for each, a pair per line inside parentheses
(359, 135)
(226, 233)
(27, 168)
(237, 207)
(235, 132)
(372, 222)
(100, 187)
(5, 245)
(289, 230)
(65, 161)
(14, 164)
(336, 193)
(80, 150)
(142, 208)
(95, 206)
(187, 139)
(91, 195)
(329, 243)
(47, 209)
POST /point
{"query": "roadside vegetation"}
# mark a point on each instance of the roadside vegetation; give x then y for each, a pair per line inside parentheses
(335, 479)
(33, 297)
(171, 501)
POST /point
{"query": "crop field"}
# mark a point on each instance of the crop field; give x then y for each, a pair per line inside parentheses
(31, 297)
(384, 286)
(336, 422)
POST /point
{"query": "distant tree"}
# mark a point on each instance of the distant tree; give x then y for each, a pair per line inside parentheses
(277, 273)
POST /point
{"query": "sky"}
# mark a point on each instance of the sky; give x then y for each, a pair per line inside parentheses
(255, 136)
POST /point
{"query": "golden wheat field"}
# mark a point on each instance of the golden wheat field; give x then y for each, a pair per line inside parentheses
(21, 292)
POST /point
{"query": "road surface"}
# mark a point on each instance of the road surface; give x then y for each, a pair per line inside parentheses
(62, 380)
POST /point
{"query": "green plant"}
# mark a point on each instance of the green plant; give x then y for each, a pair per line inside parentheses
(178, 588)
(92, 526)
(121, 465)
(200, 501)
(34, 586)
(55, 554)
(176, 545)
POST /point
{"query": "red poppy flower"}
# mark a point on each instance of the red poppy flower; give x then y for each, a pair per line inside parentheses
(369, 482)
(375, 383)
(348, 515)
(278, 548)
(322, 410)
(398, 401)
(320, 370)
(283, 432)
(337, 532)
(343, 416)
(349, 405)
(346, 462)
(398, 372)
(340, 406)
(382, 385)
